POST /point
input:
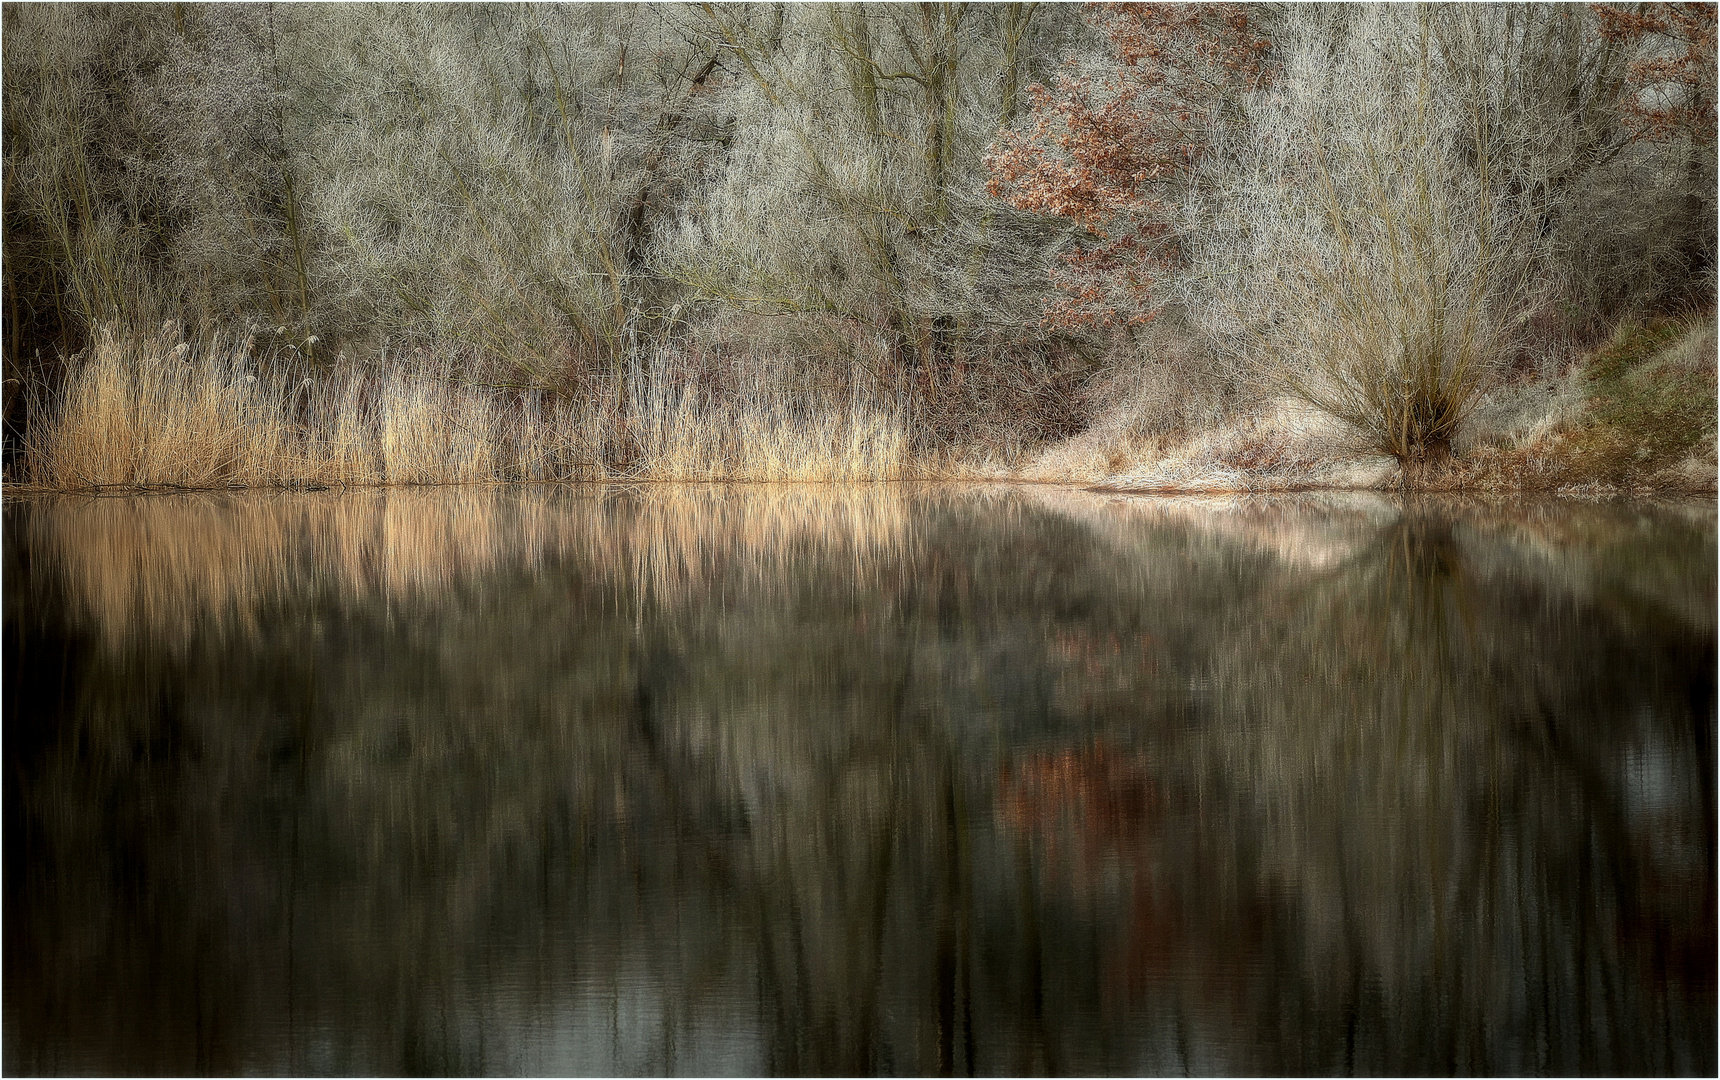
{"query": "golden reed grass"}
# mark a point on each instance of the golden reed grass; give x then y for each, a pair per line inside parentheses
(157, 412)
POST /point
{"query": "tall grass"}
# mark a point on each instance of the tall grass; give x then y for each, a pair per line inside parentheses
(213, 412)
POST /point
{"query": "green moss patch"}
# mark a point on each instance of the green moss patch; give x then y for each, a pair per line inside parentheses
(1651, 402)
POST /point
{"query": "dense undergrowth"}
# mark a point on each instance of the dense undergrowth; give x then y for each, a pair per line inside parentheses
(1637, 414)
(1198, 246)
(211, 412)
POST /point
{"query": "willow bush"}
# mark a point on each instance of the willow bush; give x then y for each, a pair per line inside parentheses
(1390, 216)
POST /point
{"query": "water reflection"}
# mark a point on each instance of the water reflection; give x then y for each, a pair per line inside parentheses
(872, 779)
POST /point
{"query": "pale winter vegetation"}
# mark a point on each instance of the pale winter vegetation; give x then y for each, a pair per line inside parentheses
(148, 413)
(1200, 245)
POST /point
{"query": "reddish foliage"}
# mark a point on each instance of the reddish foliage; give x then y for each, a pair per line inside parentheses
(1669, 94)
(1114, 154)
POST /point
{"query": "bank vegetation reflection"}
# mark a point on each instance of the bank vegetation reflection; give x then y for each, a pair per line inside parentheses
(866, 779)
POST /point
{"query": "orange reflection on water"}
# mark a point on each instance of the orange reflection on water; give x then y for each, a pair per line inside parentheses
(1105, 797)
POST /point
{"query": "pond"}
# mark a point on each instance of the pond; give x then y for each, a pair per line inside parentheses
(874, 779)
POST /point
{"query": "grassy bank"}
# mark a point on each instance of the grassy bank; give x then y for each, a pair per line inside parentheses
(211, 413)
(1636, 415)
(214, 411)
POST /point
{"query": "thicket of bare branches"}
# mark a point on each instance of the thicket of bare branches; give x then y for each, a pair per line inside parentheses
(1413, 199)
(546, 195)
(1375, 208)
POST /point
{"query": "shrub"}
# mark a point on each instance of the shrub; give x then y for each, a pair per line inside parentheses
(1378, 237)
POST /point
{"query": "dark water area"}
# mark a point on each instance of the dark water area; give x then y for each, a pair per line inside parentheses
(884, 779)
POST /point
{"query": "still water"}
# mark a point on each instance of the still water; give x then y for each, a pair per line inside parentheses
(858, 780)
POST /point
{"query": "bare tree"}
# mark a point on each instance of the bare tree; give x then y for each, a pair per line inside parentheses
(488, 176)
(851, 187)
(79, 236)
(1397, 206)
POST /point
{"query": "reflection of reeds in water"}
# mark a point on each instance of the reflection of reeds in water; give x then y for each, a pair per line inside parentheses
(676, 541)
(169, 566)
(129, 571)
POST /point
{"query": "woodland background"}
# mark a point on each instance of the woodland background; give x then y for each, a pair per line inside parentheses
(1188, 246)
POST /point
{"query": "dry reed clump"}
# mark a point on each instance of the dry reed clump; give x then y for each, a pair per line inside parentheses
(683, 437)
(139, 412)
(209, 413)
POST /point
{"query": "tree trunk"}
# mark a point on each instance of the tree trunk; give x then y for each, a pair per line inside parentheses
(1426, 465)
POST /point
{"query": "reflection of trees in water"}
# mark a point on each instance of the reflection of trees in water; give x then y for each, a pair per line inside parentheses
(394, 804)
(1404, 799)
(860, 782)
